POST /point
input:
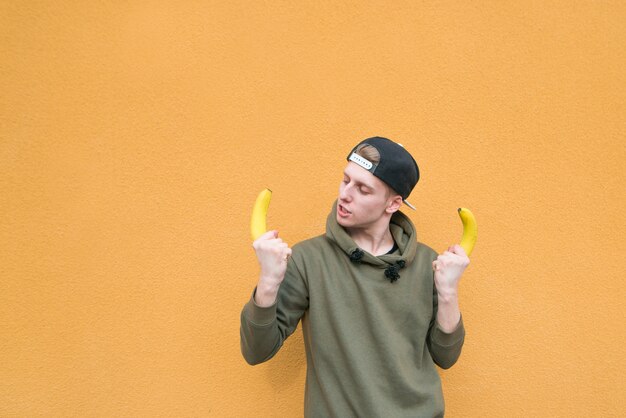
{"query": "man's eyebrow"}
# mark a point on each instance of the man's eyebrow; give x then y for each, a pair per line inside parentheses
(359, 182)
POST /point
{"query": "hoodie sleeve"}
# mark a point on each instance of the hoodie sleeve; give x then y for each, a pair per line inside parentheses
(445, 348)
(264, 330)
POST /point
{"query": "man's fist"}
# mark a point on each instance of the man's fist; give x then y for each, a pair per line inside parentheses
(272, 254)
(449, 267)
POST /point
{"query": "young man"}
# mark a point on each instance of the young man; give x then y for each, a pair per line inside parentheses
(378, 308)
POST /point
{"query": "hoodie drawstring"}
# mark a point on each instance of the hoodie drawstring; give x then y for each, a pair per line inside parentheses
(391, 272)
(356, 255)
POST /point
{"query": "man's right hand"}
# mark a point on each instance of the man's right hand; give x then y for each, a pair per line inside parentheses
(272, 254)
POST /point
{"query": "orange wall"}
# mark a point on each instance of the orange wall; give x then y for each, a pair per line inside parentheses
(135, 136)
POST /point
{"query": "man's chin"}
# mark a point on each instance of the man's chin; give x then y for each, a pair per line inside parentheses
(341, 221)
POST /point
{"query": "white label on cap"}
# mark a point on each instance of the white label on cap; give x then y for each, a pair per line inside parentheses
(356, 158)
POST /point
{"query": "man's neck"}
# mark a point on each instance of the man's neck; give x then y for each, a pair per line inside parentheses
(376, 241)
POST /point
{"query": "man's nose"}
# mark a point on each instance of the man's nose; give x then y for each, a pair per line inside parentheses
(345, 193)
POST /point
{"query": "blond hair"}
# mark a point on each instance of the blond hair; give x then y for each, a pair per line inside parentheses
(371, 154)
(368, 152)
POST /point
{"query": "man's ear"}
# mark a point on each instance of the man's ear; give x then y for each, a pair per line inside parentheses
(394, 203)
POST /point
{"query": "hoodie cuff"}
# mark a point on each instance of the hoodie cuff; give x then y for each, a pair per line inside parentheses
(446, 339)
(259, 315)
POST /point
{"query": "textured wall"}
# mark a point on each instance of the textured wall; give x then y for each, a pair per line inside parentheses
(134, 137)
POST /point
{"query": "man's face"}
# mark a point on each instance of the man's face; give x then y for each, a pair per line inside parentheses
(363, 198)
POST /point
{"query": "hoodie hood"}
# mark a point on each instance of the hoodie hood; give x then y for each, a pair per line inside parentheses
(403, 232)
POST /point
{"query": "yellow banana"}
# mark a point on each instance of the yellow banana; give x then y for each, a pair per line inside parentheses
(469, 230)
(258, 222)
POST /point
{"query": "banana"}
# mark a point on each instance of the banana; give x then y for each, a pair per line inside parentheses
(469, 230)
(258, 222)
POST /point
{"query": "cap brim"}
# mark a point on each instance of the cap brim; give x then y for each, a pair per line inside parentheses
(408, 204)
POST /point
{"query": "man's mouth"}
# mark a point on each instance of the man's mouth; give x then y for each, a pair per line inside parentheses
(342, 210)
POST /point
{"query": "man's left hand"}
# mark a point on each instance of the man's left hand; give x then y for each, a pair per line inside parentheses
(449, 267)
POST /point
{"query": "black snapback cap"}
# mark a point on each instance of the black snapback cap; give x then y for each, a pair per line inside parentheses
(396, 167)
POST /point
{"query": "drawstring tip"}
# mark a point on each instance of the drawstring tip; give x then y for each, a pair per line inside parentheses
(356, 255)
(392, 272)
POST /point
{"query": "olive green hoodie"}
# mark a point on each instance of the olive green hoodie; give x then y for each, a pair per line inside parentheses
(369, 325)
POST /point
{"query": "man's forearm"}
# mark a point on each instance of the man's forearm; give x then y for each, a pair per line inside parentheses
(448, 312)
(266, 292)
